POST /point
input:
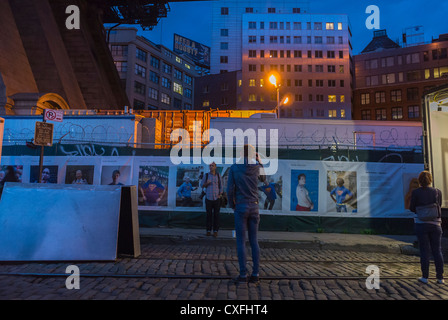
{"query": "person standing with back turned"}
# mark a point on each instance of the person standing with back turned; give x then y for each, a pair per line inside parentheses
(242, 191)
(429, 233)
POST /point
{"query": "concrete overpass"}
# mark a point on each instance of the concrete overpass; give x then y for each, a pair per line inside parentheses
(43, 64)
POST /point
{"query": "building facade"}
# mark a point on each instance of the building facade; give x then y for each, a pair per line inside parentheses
(309, 55)
(217, 91)
(390, 80)
(155, 77)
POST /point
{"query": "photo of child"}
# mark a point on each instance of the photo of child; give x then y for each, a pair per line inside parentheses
(304, 190)
(341, 186)
(188, 191)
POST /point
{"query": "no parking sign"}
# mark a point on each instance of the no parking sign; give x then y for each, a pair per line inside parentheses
(53, 115)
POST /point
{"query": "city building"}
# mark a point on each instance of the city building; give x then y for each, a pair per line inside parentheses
(154, 76)
(217, 91)
(390, 80)
(308, 54)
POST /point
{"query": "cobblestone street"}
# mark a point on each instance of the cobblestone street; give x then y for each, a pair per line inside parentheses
(203, 271)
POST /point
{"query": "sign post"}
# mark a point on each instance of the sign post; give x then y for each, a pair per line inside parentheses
(43, 134)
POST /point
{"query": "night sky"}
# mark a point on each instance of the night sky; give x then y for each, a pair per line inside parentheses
(193, 19)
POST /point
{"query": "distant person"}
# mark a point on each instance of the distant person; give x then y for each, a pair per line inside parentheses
(242, 191)
(304, 202)
(184, 193)
(79, 178)
(429, 233)
(115, 176)
(211, 181)
(339, 195)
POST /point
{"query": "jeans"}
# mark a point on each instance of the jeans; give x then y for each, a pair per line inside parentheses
(247, 218)
(212, 221)
(430, 241)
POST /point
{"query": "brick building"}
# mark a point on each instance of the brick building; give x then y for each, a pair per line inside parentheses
(390, 79)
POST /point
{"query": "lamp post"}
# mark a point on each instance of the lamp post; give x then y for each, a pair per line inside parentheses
(273, 80)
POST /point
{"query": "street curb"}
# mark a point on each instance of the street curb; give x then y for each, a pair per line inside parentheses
(280, 244)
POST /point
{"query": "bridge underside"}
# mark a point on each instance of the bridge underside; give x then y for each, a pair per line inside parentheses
(40, 57)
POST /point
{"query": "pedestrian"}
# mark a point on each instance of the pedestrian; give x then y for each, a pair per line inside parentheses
(213, 191)
(242, 194)
(429, 233)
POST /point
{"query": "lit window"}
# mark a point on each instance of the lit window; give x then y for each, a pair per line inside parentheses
(331, 98)
(330, 26)
(339, 25)
(177, 88)
(206, 103)
(332, 113)
(342, 98)
(342, 113)
(252, 97)
(251, 82)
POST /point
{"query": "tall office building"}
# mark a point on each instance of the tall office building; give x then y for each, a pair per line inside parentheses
(309, 54)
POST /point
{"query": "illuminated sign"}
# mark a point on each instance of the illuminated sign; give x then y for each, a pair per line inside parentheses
(196, 51)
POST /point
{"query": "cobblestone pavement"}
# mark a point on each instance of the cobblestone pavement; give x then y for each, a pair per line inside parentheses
(183, 271)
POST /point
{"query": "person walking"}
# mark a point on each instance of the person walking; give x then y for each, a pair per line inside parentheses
(213, 191)
(242, 192)
(429, 233)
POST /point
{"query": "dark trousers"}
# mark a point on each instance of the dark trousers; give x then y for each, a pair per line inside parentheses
(213, 207)
(269, 202)
(247, 220)
(430, 242)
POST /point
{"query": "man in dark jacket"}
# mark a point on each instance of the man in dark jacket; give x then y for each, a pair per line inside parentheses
(242, 191)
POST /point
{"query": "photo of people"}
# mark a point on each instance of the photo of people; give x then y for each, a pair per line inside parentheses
(49, 174)
(304, 190)
(270, 193)
(17, 171)
(116, 175)
(188, 191)
(342, 189)
(79, 174)
(153, 185)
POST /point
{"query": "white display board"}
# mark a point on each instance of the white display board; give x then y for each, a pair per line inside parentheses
(378, 189)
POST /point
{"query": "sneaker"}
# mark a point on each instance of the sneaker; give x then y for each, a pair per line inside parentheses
(440, 281)
(254, 279)
(215, 234)
(208, 233)
(423, 280)
(240, 279)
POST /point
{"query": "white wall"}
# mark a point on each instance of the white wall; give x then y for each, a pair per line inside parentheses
(329, 132)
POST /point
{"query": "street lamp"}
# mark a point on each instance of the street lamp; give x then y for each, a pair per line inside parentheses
(273, 80)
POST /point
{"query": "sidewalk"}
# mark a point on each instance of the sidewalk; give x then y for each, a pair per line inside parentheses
(318, 241)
